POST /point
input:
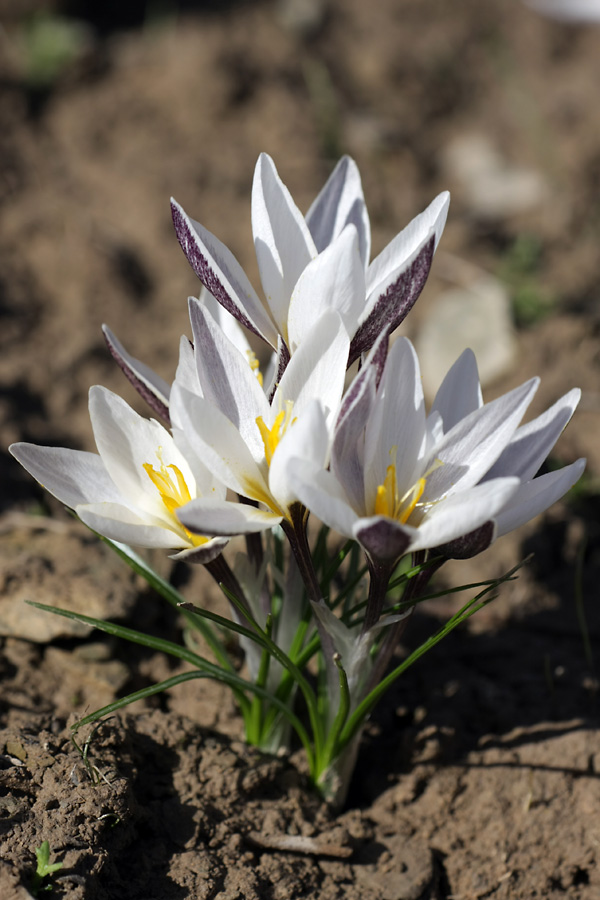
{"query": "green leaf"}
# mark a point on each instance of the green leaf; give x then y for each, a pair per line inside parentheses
(356, 720)
(170, 594)
(44, 868)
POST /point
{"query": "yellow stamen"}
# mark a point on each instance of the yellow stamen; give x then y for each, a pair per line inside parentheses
(387, 501)
(254, 365)
(174, 493)
(387, 494)
(415, 494)
(272, 436)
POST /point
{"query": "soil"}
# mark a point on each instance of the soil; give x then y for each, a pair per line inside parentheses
(479, 775)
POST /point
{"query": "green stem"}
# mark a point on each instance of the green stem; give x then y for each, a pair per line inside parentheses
(380, 576)
(356, 720)
(263, 640)
(254, 724)
(330, 750)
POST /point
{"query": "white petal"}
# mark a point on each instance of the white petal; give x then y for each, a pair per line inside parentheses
(72, 476)
(206, 483)
(227, 323)
(533, 441)
(430, 221)
(149, 385)
(307, 438)
(282, 241)
(471, 448)
(119, 523)
(389, 303)
(221, 274)
(203, 553)
(126, 441)
(206, 516)
(462, 513)
(187, 371)
(322, 494)
(397, 421)
(536, 496)
(226, 378)
(334, 280)
(460, 391)
(340, 203)
(219, 445)
(317, 368)
(347, 455)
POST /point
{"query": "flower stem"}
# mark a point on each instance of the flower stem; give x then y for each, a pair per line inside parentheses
(414, 587)
(380, 573)
(220, 570)
(295, 532)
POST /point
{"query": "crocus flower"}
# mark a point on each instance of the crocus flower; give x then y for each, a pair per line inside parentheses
(247, 441)
(131, 490)
(401, 481)
(330, 248)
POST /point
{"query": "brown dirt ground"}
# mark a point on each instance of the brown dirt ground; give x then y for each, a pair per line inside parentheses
(479, 776)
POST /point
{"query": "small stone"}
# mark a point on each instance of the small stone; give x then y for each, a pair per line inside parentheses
(13, 748)
(489, 186)
(302, 17)
(477, 316)
(63, 567)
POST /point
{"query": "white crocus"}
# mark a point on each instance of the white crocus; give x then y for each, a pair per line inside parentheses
(244, 439)
(130, 491)
(331, 247)
(401, 481)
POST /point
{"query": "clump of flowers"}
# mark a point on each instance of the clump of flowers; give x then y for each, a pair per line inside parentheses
(398, 489)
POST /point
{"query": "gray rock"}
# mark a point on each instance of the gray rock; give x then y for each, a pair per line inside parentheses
(302, 17)
(59, 564)
(490, 187)
(477, 316)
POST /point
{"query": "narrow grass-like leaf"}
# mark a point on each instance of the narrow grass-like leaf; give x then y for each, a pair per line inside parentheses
(331, 750)
(224, 677)
(476, 603)
(207, 669)
(255, 719)
(170, 594)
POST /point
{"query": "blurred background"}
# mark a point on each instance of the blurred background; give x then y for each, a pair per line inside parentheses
(108, 109)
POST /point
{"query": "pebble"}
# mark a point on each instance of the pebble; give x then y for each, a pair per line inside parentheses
(476, 316)
(302, 17)
(62, 567)
(491, 188)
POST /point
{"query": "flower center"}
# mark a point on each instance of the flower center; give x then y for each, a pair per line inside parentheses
(174, 493)
(272, 436)
(389, 503)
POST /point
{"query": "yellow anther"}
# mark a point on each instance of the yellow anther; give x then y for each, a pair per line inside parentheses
(387, 501)
(255, 365)
(387, 494)
(272, 436)
(413, 496)
(174, 493)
